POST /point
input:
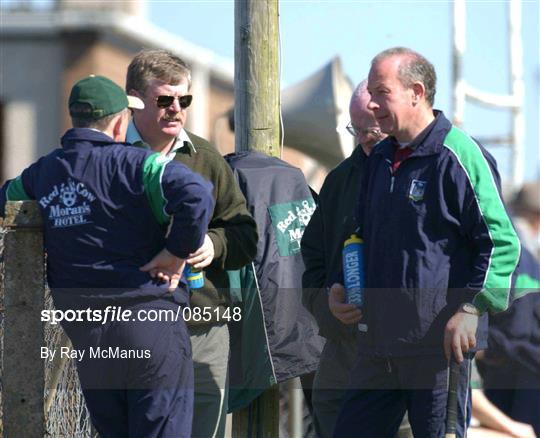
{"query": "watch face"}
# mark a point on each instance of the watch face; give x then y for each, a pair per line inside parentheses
(469, 308)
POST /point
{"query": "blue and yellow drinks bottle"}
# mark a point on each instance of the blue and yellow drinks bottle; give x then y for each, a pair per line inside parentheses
(353, 270)
(194, 277)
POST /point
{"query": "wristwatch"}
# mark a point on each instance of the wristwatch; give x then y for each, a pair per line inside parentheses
(469, 308)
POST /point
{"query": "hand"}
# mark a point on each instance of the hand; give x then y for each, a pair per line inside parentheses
(460, 335)
(346, 313)
(203, 256)
(167, 267)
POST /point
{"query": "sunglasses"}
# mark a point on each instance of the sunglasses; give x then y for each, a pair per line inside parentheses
(167, 101)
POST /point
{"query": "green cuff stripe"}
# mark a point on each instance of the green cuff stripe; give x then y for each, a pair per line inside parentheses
(525, 285)
(16, 192)
(153, 169)
(506, 248)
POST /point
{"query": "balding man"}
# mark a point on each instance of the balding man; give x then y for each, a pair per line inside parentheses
(440, 251)
(331, 224)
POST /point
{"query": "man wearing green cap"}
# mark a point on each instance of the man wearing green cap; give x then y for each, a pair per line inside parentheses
(119, 223)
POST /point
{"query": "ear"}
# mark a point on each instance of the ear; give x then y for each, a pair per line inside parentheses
(135, 93)
(419, 92)
(119, 127)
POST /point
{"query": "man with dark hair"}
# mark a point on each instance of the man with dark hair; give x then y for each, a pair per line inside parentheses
(106, 209)
(439, 249)
(162, 81)
(331, 224)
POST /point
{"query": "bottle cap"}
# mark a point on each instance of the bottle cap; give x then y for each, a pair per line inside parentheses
(353, 239)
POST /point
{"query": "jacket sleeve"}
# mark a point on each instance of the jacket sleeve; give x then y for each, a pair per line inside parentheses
(312, 247)
(232, 229)
(484, 221)
(16, 189)
(314, 295)
(316, 279)
(180, 196)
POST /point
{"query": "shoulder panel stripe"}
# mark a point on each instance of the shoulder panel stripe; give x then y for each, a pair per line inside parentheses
(16, 192)
(153, 168)
(505, 252)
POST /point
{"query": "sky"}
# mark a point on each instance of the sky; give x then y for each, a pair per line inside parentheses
(313, 32)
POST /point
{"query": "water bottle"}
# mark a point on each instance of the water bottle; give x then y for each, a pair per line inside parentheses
(353, 270)
(194, 277)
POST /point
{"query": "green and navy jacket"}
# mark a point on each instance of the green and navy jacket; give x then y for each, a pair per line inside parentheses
(106, 208)
(436, 235)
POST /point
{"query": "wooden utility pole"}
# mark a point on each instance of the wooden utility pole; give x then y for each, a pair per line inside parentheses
(257, 127)
(23, 374)
(256, 76)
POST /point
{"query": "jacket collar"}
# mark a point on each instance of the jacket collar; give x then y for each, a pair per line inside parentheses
(358, 156)
(75, 136)
(134, 137)
(428, 142)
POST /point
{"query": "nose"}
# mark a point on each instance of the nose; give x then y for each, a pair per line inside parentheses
(175, 105)
(372, 105)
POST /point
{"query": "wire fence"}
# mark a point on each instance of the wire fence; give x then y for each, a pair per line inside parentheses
(67, 415)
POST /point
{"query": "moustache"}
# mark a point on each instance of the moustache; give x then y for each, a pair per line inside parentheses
(172, 117)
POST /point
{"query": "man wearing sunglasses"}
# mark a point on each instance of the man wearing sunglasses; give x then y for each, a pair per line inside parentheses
(162, 81)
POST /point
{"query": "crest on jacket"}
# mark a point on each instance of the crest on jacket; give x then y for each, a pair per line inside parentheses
(68, 204)
(289, 220)
(416, 192)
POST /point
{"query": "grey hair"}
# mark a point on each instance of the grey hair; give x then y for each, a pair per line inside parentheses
(413, 68)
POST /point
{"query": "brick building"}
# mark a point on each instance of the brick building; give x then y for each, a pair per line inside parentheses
(45, 51)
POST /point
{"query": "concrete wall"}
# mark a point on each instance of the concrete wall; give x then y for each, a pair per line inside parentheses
(30, 84)
(38, 71)
(87, 54)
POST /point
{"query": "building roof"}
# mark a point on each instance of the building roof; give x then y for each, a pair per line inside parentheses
(134, 29)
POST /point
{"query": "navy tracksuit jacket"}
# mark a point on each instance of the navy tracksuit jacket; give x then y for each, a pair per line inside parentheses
(436, 235)
(106, 208)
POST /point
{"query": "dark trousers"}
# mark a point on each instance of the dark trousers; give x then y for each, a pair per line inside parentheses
(382, 390)
(136, 376)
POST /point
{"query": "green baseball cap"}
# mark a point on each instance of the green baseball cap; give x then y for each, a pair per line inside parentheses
(101, 97)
